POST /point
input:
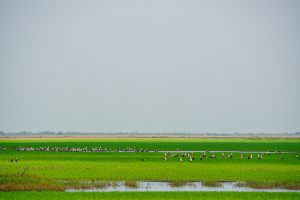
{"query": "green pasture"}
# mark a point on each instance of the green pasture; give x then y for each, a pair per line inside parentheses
(148, 195)
(246, 144)
(129, 166)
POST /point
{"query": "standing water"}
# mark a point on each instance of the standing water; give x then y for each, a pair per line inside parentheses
(149, 186)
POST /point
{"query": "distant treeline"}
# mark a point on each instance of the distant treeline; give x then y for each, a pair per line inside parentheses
(51, 133)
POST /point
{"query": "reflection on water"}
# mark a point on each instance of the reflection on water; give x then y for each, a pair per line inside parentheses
(148, 186)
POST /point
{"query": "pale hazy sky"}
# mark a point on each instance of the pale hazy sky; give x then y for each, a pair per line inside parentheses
(150, 66)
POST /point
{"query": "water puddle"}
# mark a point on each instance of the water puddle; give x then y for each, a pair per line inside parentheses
(155, 186)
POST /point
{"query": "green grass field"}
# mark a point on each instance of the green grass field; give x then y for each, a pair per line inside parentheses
(255, 144)
(148, 195)
(46, 170)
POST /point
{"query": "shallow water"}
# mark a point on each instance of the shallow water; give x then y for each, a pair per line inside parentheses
(149, 186)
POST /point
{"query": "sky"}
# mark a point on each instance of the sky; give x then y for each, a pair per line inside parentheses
(150, 66)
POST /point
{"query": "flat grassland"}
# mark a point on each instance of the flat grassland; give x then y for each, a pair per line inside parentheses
(59, 170)
(242, 144)
(148, 195)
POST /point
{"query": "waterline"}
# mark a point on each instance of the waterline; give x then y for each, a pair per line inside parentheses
(161, 186)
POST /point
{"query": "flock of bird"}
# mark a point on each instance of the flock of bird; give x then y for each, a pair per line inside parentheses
(191, 156)
(75, 149)
(167, 155)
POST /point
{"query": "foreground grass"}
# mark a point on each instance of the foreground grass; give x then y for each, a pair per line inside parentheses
(148, 195)
(128, 166)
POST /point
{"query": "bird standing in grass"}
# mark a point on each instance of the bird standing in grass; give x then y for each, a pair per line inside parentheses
(191, 158)
(165, 158)
(258, 156)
